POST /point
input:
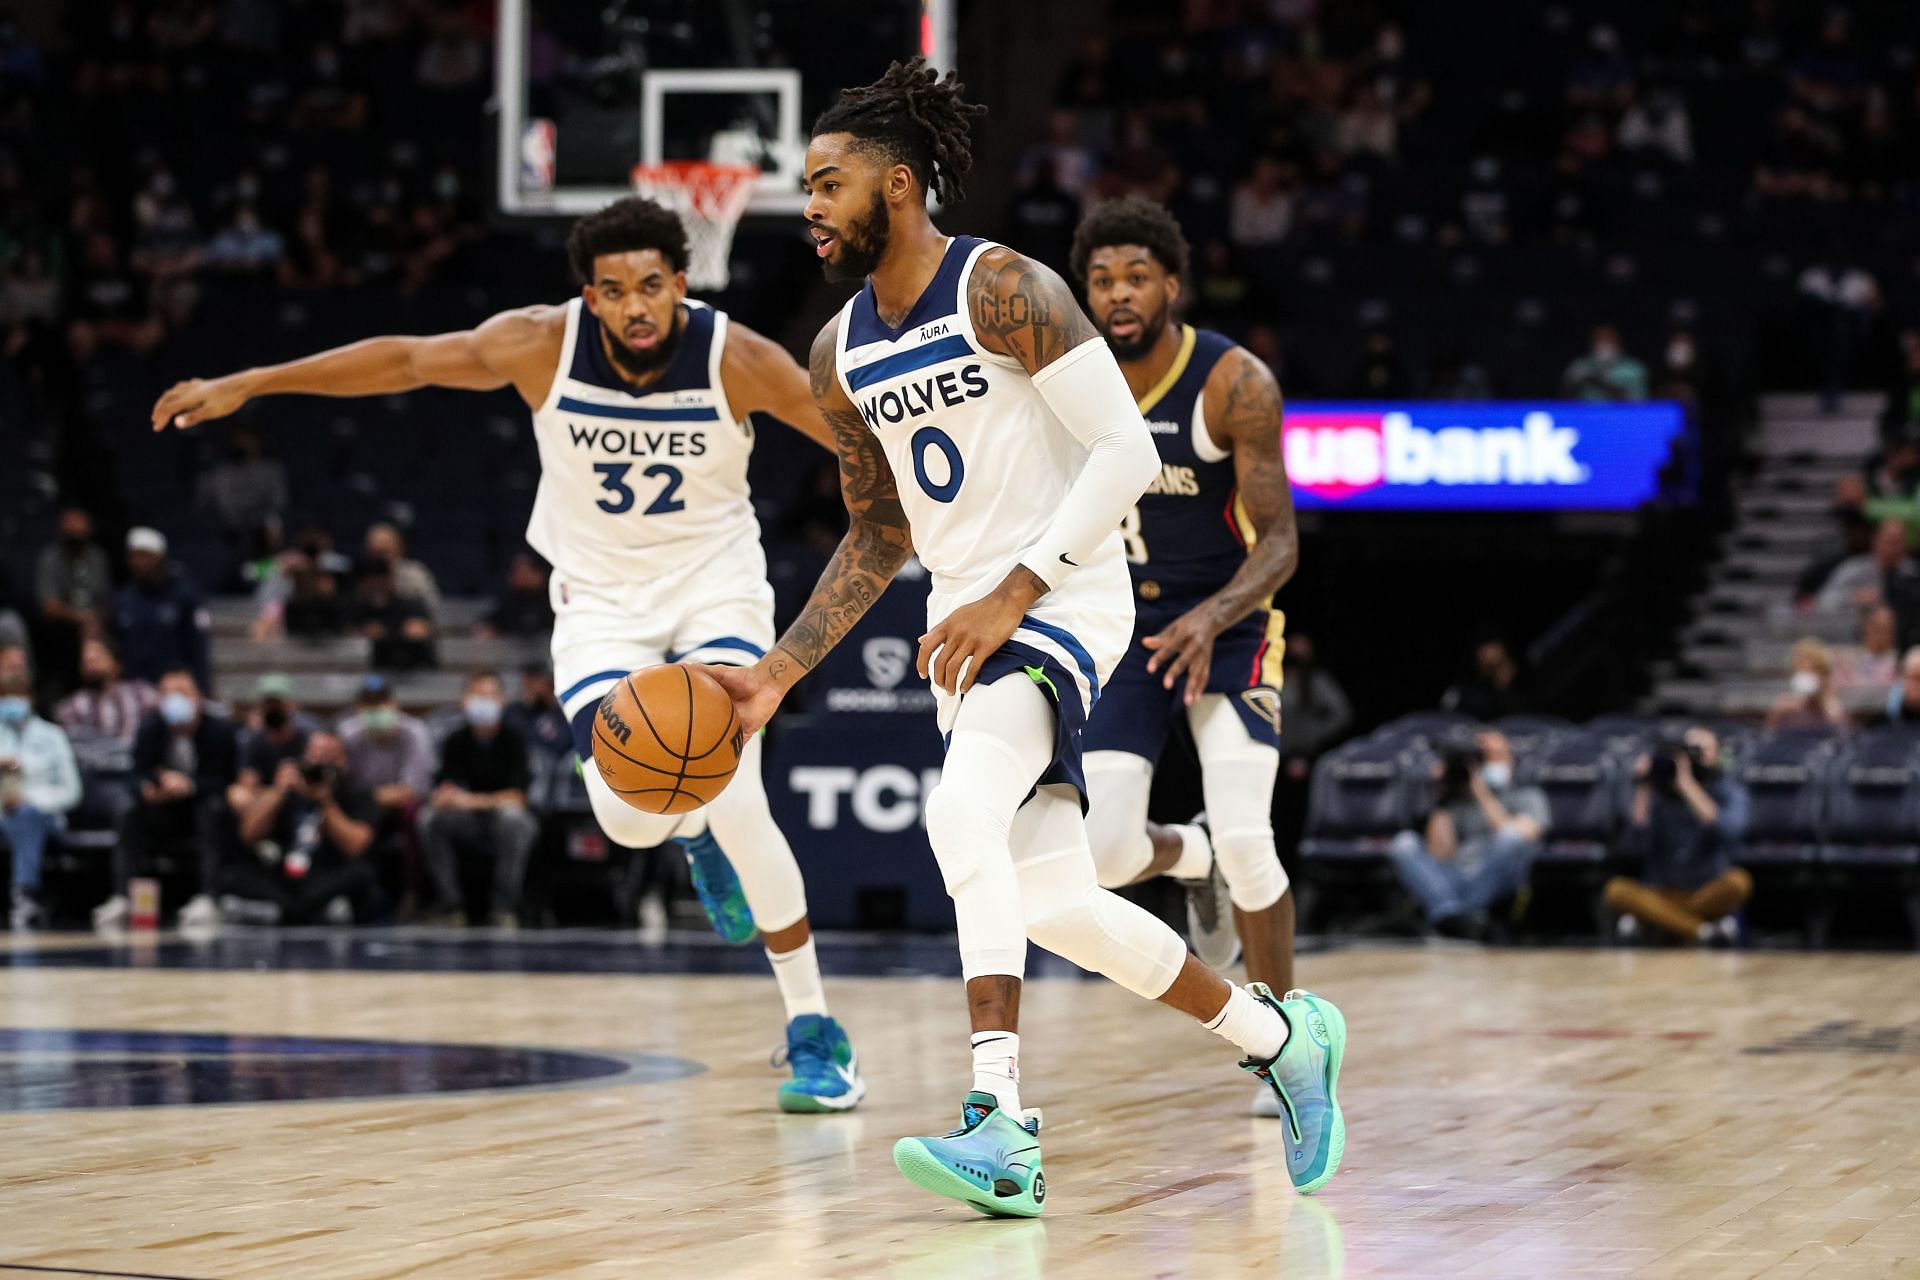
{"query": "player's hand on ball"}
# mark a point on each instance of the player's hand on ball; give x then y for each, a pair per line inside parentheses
(952, 652)
(756, 695)
(198, 400)
(1185, 648)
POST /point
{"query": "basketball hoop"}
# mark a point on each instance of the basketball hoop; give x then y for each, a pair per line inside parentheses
(710, 199)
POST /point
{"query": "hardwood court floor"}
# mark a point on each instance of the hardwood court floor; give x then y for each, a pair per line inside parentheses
(1511, 1113)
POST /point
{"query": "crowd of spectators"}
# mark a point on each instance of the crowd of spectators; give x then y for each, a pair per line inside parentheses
(1283, 134)
(267, 814)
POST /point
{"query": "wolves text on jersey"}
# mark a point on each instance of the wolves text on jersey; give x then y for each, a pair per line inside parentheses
(947, 388)
(640, 443)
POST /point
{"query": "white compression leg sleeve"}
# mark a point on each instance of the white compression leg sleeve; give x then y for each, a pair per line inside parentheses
(1118, 783)
(743, 824)
(1237, 776)
(624, 824)
(1069, 914)
(1002, 739)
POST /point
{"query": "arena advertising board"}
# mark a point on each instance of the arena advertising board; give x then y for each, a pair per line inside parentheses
(1413, 455)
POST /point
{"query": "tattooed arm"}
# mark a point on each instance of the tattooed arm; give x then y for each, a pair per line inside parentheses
(1022, 309)
(1243, 413)
(876, 544)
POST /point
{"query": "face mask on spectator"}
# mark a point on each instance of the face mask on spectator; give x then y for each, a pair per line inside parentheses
(178, 709)
(483, 711)
(1498, 774)
(382, 719)
(14, 710)
(1805, 683)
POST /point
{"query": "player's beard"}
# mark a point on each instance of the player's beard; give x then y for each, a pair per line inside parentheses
(1151, 327)
(644, 364)
(862, 244)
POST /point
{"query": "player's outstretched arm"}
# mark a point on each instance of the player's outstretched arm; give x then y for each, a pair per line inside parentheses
(876, 544)
(1243, 405)
(760, 377)
(517, 348)
(1023, 309)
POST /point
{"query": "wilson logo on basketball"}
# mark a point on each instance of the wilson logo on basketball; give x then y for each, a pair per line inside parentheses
(616, 727)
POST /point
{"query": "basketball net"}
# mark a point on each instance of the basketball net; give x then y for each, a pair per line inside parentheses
(710, 199)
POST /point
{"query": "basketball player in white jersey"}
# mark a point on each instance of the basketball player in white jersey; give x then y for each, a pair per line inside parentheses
(640, 402)
(982, 422)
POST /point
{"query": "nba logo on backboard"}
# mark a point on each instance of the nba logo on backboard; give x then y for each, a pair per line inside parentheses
(536, 155)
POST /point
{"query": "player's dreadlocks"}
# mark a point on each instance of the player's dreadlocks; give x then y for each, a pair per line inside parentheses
(1129, 220)
(915, 116)
(626, 225)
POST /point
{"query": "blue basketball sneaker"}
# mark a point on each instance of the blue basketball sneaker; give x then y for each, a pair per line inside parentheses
(719, 889)
(991, 1162)
(826, 1074)
(1303, 1078)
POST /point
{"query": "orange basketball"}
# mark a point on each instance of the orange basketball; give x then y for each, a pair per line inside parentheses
(666, 739)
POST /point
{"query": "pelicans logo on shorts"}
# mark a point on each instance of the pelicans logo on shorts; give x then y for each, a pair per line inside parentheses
(1265, 703)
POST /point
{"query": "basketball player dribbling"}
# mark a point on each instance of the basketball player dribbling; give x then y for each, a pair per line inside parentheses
(982, 422)
(640, 400)
(1207, 545)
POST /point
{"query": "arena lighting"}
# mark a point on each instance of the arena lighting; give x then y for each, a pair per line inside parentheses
(1506, 455)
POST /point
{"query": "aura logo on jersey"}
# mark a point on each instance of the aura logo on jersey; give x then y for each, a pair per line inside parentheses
(1513, 456)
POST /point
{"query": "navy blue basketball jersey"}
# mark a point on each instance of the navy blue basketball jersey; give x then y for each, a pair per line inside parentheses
(1188, 535)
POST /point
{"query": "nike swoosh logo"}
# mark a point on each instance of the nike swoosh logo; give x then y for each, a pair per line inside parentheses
(1064, 559)
(844, 1073)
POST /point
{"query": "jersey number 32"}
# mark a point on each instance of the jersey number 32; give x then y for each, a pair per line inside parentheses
(620, 496)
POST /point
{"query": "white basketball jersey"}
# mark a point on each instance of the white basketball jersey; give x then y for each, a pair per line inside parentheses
(981, 462)
(636, 484)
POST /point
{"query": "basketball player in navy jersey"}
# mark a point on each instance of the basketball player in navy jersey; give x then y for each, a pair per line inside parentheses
(640, 400)
(1208, 544)
(983, 424)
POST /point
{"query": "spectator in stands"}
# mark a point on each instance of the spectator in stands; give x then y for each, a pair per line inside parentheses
(1679, 376)
(39, 783)
(1493, 690)
(1896, 474)
(1811, 702)
(1903, 700)
(1850, 534)
(158, 620)
(1885, 575)
(398, 624)
(103, 717)
(1903, 389)
(1606, 372)
(75, 586)
(1314, 710)
(480, 806)
(388, 751)
(246, 245)
(1262, 208)
(278, 733)
(111, 305)
(303, 592)
(247, 492)
(538, 717)
(1480, 840)
(1871, 665)
(304, 838)
(184, 758)
(526, 610)
(1687, 820)
(410, 577)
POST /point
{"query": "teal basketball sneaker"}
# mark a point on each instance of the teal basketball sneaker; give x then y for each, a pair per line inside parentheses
(1303, 1078)
(991, 1162)
(826, 1074)
(719, 889)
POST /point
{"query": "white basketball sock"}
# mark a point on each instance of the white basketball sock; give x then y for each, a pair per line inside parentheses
(996, 1069)
(1254, 1025)
(798, 973)
(1196, 854)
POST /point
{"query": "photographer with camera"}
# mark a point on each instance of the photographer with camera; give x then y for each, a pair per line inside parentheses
(1688, 817)
(1480, 840)
(303, 838)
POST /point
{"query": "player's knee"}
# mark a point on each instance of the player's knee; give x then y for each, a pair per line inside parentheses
(1251, 866)
(956, 828)
(625, 825)
(1104, 933)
